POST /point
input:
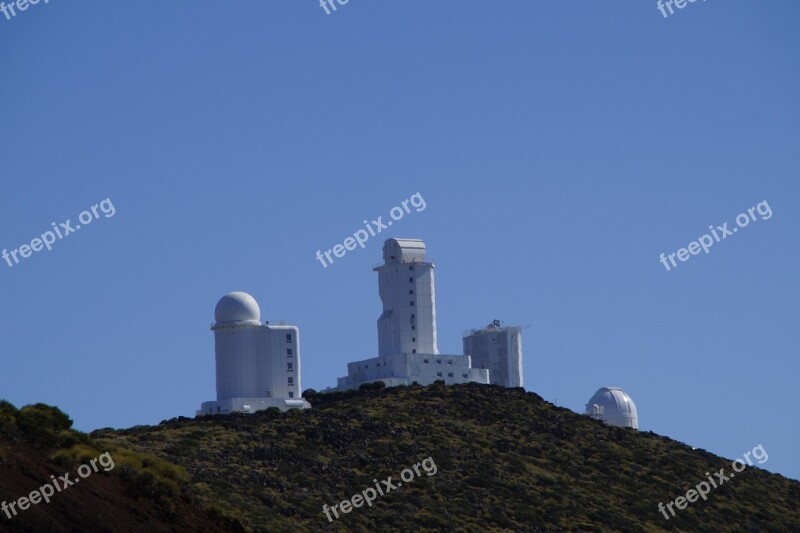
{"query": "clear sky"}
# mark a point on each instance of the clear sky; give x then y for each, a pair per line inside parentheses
(560, 148)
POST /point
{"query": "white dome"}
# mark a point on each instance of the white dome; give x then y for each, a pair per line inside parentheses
(237, 308)
(614, 407)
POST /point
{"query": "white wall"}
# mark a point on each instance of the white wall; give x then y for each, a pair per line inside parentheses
(236, 361)
(500, 351)
(399, 284)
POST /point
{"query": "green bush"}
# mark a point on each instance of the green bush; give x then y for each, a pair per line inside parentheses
(75, 455)
(44, 425)
(376, 385)
(8, 420)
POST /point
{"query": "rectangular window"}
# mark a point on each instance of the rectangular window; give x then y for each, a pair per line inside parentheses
(288, 351)
(425, 360)
(412, 317)
(413, 339)
(465, 375)
(449, 374)
(414, 350)
(411, 280)
(291, 394)
(289, 367)
(411, 268)
(291, 381)
(449, 361)
(411, 303)
(439, 374)
(413, 328)
(411, 291)
(439, 361)
(288, 338)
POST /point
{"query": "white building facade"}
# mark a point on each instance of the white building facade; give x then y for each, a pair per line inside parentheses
(258, 365)
(497, 348)
(407, 350)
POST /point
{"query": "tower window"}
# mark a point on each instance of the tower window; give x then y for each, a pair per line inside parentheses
(291, 381)
(449, 374)
(439, 374)
(411, 280)
(288, 351)
(414, 350)
(411, 268)
(288, 338)
(289, 367)
(291, 394)
(413, 327)
(413, 339)
(412, 317)
(425, 360)
(411, 291)
(411, 303)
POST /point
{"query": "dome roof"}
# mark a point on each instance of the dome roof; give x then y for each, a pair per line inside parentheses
(613, 406)
(237, 308)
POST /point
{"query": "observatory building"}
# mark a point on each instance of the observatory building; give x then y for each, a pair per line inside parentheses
(407, 350)
(258, 365)
(614, 407)
(499, 349)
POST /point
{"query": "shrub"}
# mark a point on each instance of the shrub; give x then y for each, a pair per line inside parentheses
(8, 420)
(376, 385)
(44, 425)
(75, 455)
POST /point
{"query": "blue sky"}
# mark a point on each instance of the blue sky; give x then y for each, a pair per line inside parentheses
(560, 147)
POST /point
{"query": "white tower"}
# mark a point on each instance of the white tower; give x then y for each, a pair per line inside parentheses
(499, 349)
(407, 350)
(614, 407)
(405, 284)
(258, 365)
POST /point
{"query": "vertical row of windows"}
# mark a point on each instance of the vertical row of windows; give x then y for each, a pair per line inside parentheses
(290, 365)
(411, 303)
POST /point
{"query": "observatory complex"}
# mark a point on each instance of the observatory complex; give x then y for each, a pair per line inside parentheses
(407, 350)
(258, 365)
(614, 407)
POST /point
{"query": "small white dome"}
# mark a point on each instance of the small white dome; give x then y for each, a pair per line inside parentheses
(237, 308)
(614, 407)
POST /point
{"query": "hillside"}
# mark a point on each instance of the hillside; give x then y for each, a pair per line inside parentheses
(504, 460)
(129, 491)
